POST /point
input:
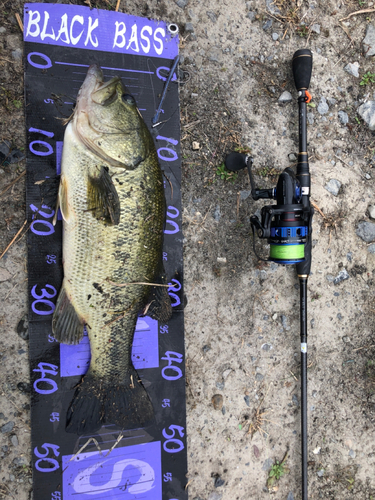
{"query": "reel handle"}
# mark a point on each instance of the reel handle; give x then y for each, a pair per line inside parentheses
(302, 68)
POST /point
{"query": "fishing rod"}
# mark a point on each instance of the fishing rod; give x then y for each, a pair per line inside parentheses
(287, 226)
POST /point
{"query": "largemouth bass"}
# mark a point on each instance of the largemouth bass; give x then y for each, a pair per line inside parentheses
(111, 198)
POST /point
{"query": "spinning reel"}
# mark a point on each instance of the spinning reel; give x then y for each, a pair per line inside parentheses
(286, 225)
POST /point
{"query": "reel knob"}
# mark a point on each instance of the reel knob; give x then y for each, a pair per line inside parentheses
(235, 161)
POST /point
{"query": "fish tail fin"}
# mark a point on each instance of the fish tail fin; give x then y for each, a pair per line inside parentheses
(124, 404)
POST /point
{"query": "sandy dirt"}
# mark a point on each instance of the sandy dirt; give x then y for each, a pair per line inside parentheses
(242, 316)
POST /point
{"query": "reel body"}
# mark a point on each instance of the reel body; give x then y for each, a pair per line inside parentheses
(286, 225)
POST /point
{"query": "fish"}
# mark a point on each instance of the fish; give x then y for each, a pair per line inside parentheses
(111, 197)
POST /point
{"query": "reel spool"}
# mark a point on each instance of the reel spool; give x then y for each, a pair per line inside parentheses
(286, 225)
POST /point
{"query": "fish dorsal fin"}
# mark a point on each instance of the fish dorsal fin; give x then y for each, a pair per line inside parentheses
(102, 197)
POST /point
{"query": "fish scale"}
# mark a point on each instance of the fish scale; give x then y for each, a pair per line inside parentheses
(101, 252)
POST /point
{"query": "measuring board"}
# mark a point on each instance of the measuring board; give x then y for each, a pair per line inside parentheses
(61, 42)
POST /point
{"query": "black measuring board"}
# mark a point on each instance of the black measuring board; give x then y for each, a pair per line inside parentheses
(61, 42)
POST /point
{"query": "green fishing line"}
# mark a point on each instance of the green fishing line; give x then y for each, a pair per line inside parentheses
(287, 252)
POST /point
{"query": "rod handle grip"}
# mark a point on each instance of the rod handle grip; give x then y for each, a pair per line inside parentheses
(302, 68)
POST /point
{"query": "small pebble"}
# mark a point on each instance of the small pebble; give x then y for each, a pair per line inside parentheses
(315, 28)
(352, 454)
(371, 211)
(8, 427)
(295, 400)
(290, 496)
(195, 146)
(259, 377)
(285, 97)
(219, 482)
(352, 69)
(24, 387)
(317, 450)
(275, 36)
(266, 347)
(212, 16)
(371, 248)
(215, 496)
(267, 25)
(217, 401)
(333, 186)
(343, 117)
(189, 28)
(320, 473)
(369, 41)
(267, 464)
(342, 276)
(14, 440)
(244, 194)
(247, 400)
(366, 231)
(323, 107)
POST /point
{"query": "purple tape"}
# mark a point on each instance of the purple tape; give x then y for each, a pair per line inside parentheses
(94, 29)
(127, 473)
(75, 359)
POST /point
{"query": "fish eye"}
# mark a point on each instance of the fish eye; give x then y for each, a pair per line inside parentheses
(128, 99)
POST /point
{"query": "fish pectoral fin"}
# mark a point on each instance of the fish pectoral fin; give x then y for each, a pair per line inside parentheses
(102, 197)
(67, 326)
(62, 201)
(159, 302)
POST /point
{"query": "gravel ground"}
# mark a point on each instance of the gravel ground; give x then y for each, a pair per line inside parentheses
(242, 316)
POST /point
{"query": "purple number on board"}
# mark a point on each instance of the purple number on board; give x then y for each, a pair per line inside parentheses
(42, 56)
(46, 224)
(172, 356)
(167, 139)
(43, 299)
(41, 153)
(43, 132)
(43, 457)
(44, 368)
(173, 157)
